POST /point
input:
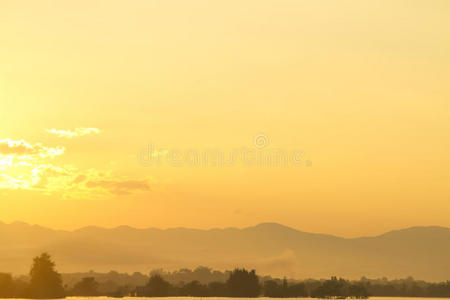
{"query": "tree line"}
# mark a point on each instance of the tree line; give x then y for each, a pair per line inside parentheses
(45, 282)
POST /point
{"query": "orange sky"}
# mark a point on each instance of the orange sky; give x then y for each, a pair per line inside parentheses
(361, 87)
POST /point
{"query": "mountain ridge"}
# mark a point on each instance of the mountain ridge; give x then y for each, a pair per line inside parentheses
(259, 225)
(270, 248)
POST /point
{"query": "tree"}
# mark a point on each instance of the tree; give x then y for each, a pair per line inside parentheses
(329, 288)
(195, 289)
(357, 291)
(340, 288)
(272, 289)
(297, 290)
(45, 282)
(218, 289)
(6, 285)
(284, 290)
(157, 287)
(86, 287)
(121, 292)
(243, 283)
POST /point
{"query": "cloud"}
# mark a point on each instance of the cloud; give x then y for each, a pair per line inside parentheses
(24, 164)
(24, 149)
(119, 187)
(79, 179)
(6, 162)
(95, 183)
(9, 182)
(41, 175)
(70, 182)
(73, 133)
(28, 166)
(8, 147)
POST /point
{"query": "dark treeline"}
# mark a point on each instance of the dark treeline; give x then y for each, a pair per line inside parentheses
(44, 282)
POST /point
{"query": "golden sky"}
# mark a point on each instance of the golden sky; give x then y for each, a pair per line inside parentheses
(362, 88)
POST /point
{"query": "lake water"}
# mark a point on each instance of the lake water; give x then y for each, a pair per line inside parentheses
(221, 298)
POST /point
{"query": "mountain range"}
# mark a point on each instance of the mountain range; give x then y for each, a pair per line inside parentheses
(270, 248)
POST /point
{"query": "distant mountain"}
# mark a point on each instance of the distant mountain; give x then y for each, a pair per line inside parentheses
(421, 252)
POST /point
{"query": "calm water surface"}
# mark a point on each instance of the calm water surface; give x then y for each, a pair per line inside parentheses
(221, 298)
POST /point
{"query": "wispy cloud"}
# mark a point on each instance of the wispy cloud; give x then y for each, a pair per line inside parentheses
(119, 187)
(42, 174)
(9, 182)
(31, 166)
(94, 183)
(28, 166)
(20, 162)
(21, 148)
(70, 133)
(70, 182)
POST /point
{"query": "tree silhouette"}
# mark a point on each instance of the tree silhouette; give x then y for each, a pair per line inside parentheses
(243, 283)
(357, 291)
(157, 287)
(339, 288)
(6, 285)
(86, 287)
(218, 289)
(45, 282)
(284, 290)
(272, 289)
(297, 290)
(195, 289)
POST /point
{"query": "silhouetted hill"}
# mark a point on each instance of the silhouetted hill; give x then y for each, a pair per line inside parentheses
(421, 252)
